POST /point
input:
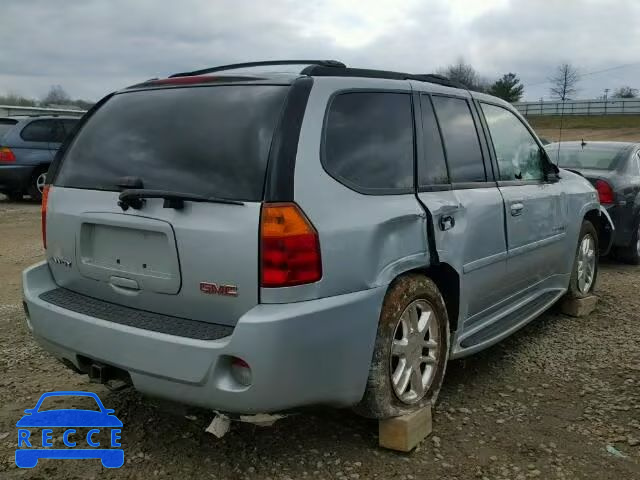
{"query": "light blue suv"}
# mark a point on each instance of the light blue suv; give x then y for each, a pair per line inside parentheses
(265, 236)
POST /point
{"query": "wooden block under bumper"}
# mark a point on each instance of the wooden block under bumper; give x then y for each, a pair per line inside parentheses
(404, 433)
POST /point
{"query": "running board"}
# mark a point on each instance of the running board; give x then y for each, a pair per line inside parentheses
(512, 321)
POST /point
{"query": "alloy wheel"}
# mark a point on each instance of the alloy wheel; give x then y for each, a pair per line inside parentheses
(40, 182)
(415, 351)
(586, 263)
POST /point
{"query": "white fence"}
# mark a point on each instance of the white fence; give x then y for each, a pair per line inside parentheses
(9, 110)
(618, 106)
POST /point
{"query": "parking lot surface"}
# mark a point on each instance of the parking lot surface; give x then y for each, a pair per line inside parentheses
(553, 401)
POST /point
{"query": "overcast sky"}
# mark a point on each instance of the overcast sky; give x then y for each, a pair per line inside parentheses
(92, 47)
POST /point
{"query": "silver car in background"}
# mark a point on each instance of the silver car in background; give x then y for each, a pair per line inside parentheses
(250, 241)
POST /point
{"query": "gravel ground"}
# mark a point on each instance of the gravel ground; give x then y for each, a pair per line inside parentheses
(546, 403)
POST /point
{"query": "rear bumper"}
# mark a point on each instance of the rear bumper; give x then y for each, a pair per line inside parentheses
(625, 221)
(305, 353)
(15, 177)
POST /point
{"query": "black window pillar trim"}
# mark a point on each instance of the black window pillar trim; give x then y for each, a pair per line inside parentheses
(284, 148)
(418, 155)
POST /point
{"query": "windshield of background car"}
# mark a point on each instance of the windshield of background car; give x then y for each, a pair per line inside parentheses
(597, 158)
(210, 141)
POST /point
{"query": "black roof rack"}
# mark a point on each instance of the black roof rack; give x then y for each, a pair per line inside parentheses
(332, 68)
(321, 71)
(323, 63)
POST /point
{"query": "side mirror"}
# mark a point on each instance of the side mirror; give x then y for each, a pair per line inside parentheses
(552, 172)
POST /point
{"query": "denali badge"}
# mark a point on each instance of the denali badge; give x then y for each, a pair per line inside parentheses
(215, 289)
(61, 261)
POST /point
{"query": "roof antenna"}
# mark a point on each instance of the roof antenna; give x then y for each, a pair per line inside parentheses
(560, 135)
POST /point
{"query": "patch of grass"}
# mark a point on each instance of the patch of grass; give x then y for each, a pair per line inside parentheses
(584, 121)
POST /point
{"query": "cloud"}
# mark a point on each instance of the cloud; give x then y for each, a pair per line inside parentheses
(91, 47)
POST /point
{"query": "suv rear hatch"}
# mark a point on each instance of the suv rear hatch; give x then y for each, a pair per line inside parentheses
(155, 251)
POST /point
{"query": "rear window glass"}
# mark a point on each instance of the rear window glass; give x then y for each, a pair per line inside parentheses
(597, 158)
(211, 141)
(6, 125)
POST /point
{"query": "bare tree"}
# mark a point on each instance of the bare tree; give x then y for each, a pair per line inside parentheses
(56, 96)
(625, 92)
(465, 74)
(564, 82)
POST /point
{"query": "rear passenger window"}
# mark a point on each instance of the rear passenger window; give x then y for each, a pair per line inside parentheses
(460, 140)
(39, 131)
(432, 168)
(369, 141)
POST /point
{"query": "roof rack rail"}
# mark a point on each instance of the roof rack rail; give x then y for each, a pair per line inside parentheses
(323, 63)
(322, 71)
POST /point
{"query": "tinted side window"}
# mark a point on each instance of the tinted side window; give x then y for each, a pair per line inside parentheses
(69, 125)
(369, 140)
(518, 154)
(59, 133)
(432, 168)
(39, 131)
(460, 140)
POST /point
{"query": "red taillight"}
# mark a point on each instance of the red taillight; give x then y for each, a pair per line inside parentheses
(290, 249)
(6, 155)
(43, 210)
(605, 192)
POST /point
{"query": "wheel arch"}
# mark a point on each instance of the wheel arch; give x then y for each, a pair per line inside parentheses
(605, 233)
(447, 280)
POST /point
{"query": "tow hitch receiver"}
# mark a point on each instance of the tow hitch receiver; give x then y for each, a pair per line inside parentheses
(113, 378)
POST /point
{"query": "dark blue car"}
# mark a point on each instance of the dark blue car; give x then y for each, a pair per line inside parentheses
(31, 449)
(27, 147)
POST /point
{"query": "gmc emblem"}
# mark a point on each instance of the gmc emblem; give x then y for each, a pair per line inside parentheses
(215, 289)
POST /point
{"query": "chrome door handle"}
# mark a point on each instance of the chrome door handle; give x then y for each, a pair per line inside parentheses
(516, 209)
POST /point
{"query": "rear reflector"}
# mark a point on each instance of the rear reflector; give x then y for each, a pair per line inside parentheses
(6, 155)
(43, 210)
(241, 371)
(605, 192)
(290, 248)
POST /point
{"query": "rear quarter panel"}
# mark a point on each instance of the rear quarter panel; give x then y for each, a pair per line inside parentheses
(365, 240)
(581, 198)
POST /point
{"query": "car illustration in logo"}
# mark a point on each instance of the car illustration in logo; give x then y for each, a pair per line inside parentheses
(32, 446)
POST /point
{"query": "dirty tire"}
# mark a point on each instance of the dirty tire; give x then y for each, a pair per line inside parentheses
(574, 291)
(380, 400)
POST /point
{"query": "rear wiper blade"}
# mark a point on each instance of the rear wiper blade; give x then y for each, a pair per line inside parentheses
(134, 198)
